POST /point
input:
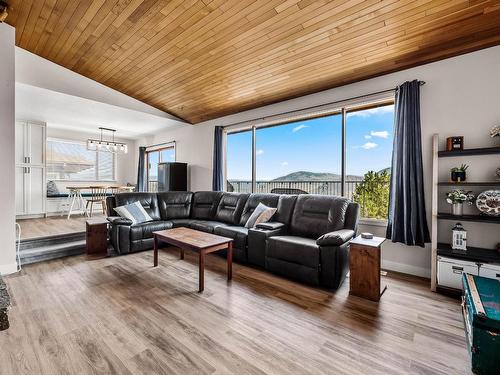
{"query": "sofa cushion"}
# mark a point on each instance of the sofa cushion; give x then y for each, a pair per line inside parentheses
(205, 225)
(294, 249)
(239, 234)
(315, 215)
(174, 204)
(286, 205)
(147, 200)
(145, 230)
(230, 207)
(205, 204)
(270, 200)
(182, 222)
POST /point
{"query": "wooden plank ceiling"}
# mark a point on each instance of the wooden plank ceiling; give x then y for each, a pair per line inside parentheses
(203, 59)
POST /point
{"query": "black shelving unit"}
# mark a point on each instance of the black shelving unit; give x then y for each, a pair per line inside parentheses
(470, 183)
(470, 152)
(473, 253)
(477, 218)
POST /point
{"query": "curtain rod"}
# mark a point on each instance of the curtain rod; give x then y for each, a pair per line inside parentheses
(161, 144)
(317, 106)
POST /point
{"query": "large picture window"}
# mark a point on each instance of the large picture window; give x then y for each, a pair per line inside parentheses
(69, 160)
(307, 157)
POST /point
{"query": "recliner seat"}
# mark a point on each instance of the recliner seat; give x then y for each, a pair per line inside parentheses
(306, 240)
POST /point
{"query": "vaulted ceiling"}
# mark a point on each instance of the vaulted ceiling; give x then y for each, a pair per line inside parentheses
(203, 59)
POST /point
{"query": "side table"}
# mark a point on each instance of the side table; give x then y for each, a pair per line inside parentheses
(364, 268)
(97, 236)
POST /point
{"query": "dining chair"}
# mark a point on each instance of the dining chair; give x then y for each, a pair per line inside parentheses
(98, 196)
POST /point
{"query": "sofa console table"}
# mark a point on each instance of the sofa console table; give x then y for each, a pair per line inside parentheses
(364, 267)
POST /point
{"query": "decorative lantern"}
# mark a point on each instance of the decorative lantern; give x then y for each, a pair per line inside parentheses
(459, 237)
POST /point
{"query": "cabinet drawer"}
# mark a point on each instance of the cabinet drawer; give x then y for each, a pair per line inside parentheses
(450, 271)
(491, 271)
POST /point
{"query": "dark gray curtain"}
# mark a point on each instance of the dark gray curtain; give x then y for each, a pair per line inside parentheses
(141, 170)
(407, 221)
(218, 176)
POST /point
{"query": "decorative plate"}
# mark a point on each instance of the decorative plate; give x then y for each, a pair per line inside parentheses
(488, 202)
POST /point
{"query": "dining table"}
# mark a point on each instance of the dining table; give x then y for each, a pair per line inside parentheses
(76, 201)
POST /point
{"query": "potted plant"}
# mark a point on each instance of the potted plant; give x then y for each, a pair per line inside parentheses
(458, 174)
(457, 198)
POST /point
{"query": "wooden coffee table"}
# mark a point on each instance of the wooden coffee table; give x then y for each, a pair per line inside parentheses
(201, 242)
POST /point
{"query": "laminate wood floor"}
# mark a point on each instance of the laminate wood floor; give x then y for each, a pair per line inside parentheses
(122, 316)
(52, 226)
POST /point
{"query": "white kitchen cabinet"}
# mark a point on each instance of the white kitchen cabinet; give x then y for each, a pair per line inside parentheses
(30, 168)
(20, 188)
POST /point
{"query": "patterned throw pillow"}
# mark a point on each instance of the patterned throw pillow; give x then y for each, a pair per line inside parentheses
(52, 188)
(261, 214)
(134, 212)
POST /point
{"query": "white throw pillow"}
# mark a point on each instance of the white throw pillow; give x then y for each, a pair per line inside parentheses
(134, 212)
(261, 214)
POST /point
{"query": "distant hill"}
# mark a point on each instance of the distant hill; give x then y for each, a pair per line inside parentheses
(315, 176)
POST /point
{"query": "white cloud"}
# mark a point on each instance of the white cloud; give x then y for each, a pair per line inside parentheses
(300, 127)
(368, 136)
(284, 163)
(259, 152)
(369, 145)
(380, 134)
(372, 111)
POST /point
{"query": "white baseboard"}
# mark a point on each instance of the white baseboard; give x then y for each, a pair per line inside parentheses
(406, 268)
(7, 269)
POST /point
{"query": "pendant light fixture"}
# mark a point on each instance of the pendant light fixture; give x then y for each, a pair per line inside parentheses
(107, 145)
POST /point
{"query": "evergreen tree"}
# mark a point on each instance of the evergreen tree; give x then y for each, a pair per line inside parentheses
(373, 194)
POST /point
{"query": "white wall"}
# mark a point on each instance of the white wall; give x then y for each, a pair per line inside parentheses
(7, 141)
(126, 164)
(461, 97)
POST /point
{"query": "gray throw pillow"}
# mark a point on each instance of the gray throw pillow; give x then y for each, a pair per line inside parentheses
(52, 188)
(134, 212)
(261, 214)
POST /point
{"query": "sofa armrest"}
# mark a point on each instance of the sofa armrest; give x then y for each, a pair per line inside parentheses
(118, 220)
(270, 225)
(335, 238)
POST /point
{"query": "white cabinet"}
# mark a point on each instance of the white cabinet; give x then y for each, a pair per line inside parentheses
(491, 271)
(30, 168)
(450, 271)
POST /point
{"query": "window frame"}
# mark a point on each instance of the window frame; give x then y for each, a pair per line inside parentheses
(82, 143)
(342, 110)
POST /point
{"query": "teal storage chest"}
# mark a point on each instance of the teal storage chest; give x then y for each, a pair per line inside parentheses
(481, 311)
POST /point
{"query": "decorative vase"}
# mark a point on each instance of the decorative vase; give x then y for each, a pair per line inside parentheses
(458, 176)
(457, 209)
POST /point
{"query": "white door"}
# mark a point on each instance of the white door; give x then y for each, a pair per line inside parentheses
(36, 144)
(20, 143)
(491, 271)
(35, 190)
(20, 189)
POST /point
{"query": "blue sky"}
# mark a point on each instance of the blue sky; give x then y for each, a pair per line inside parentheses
(315, 146)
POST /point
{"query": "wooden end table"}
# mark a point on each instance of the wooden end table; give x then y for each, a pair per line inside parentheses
(96, 241)
(364, 268)
(201, 242)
